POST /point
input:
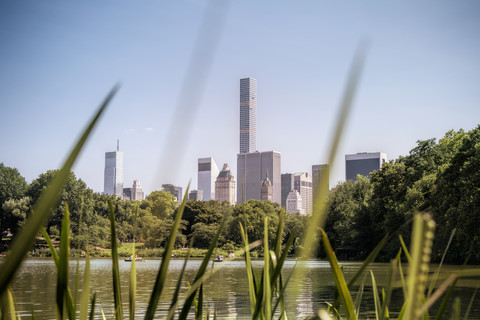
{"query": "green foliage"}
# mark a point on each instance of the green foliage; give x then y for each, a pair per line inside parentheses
(160, 204)
(251, 215)
(12, 188)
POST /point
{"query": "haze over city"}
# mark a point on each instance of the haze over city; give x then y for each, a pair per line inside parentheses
(59, 60)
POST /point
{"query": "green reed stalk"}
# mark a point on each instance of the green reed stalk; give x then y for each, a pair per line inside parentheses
(340, 283)
(85, 295)
(42, 208)
(133, 273)
(162, 272)
(117, 294)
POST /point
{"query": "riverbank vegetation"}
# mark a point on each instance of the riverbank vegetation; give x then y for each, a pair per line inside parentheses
(441, 177)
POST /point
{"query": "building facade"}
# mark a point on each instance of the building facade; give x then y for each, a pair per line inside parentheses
(320, 174)
(113, 174)
(196, 195)
(176, 191)
(294, 202)
(225, 185)
(251, 170)
(134, 193)
(248, 115)
(363, 164)
(266, 189)
(287, 186)
(303, 185)
(207, 174)
(137, 191)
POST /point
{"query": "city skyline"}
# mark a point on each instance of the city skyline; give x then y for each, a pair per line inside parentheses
(59, 61)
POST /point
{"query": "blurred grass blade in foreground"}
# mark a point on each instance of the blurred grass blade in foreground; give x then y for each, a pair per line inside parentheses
(48, 199)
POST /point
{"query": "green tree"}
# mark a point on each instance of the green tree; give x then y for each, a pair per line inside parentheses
(251, 214)
(16, 212)
(457, 200)
(345, 201)
(76, 194)
(160, 204)
(12, 187)
(203, 219)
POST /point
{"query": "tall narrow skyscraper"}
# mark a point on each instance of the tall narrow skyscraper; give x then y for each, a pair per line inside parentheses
(248, 115)
(113, 175)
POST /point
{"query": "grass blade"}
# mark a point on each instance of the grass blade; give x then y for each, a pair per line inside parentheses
(7, 305)
(469, 307)
(117, 294)
(179, 284)
(203, 267)
(64, 299)
(340, 283)
(199, 307)
(48, 199)
(404, 247)
(267, 297)
(422, 237)
(85, 296)
(280, 300)
(359, 296)
(376, 298)
(371, 257)
(437, 271)
(162, 272)
(386, 296)
(250, 275)
(50, 246)
(133, 273)
(92, 306)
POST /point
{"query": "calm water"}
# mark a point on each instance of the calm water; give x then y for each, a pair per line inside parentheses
(226, 291)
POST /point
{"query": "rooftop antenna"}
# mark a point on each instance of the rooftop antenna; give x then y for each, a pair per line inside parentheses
(118, 145)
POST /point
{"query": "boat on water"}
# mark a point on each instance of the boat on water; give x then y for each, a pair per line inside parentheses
(137, 259)
(219, 258)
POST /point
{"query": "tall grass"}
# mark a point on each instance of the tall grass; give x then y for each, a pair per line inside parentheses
(266, 288)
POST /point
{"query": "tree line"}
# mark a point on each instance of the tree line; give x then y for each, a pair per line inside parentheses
(153, 216)
(441, 177)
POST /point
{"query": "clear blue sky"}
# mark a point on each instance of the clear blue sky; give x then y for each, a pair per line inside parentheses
(59, 59)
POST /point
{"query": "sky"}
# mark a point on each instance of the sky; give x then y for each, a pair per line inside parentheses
(179, 64)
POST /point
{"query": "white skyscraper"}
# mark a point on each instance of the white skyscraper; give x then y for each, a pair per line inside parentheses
(207, 174)
(113, 176)
(248, 115)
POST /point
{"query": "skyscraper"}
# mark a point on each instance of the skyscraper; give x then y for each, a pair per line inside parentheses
(225, 185)
(293, 202)
(287, 186)
(319, 171)
(363, 163)
(196, 195)
(113, 174)
(252, 169)
(248, 115)
(207, 174)
(266, 189)
(137, 191)
(175, 191)
(303, 184)
(134, 193)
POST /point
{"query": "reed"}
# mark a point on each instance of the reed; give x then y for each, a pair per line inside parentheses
(266, 288)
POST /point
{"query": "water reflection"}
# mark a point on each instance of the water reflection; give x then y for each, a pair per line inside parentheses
(226, 291)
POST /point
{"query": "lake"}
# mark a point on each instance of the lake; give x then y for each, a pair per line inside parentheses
(226, 290)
